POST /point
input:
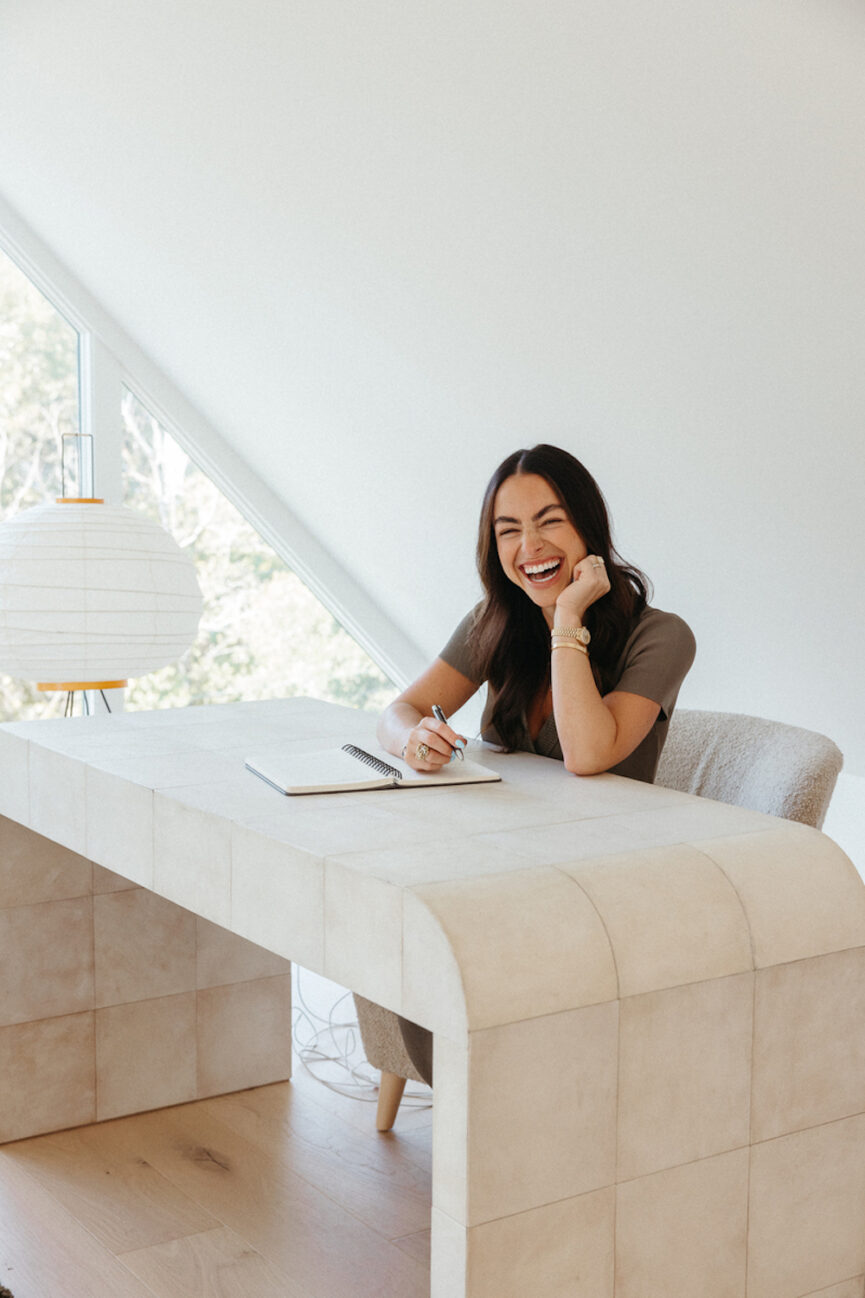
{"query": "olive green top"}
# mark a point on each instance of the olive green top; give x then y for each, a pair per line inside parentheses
(653, 663)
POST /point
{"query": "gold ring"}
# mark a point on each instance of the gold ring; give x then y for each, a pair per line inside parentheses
(422, 752)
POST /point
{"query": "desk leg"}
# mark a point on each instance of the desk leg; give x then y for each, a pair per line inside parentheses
(524, 1148)
(114, 1000)
(739, 1167)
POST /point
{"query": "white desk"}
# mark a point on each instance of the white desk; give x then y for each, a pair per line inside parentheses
(649, 1009)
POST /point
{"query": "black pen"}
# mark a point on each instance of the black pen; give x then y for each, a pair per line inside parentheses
(440, 716)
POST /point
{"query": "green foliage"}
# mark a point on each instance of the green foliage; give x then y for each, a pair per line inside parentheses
(38, 391)
(263, 633)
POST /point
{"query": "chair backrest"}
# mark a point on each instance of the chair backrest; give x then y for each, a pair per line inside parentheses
(763, 765)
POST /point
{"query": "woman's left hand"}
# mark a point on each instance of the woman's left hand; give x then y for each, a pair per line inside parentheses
(588, 584)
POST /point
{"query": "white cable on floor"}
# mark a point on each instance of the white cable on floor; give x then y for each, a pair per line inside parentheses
(336, 1042)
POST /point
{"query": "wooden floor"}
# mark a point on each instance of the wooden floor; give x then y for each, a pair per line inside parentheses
(285, 1191)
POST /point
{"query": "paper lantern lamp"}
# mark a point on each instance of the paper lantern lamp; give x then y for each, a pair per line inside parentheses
(91, 595)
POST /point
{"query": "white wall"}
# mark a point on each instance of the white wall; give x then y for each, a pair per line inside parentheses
(381, 245)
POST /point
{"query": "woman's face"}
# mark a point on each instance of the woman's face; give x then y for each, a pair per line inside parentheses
(537, 543)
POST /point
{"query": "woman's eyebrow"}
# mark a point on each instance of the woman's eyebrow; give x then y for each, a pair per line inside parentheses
(503, 518)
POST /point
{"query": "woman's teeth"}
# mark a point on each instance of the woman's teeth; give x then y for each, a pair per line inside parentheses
(538, 573)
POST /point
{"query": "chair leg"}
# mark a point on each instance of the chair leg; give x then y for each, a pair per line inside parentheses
(390, 1091)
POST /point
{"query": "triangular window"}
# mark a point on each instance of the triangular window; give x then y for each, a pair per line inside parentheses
(263, 633)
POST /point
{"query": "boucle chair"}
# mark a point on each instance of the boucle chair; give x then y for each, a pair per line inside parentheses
(749, 762)
(763, 765)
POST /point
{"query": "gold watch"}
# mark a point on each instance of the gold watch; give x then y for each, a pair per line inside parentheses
(580, 633)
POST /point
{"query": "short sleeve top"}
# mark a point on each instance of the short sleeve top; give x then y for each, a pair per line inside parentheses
(654, 661)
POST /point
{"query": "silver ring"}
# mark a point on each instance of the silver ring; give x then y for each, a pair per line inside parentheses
(422, 752)
(597, 563)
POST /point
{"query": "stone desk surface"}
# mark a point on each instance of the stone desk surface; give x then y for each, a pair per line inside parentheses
(649, 1008)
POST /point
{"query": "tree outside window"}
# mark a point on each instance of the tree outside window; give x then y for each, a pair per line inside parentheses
(263, 634)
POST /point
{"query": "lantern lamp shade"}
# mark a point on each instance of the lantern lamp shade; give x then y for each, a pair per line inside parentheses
(92, 593)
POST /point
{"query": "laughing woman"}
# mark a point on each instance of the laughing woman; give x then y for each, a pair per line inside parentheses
(578, 666)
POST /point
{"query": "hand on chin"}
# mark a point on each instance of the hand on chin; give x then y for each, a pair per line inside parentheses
(590, 582)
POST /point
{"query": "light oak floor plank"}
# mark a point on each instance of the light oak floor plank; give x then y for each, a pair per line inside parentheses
(46, 1253)
(295, 1226)
(416, 1145)
(216, 1264)
(417, 1245)
(116, 1194)
(366, 1175)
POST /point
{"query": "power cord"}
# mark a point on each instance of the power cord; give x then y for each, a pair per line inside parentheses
(333, 1044)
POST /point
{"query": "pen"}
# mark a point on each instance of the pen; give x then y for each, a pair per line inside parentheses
(440, 716)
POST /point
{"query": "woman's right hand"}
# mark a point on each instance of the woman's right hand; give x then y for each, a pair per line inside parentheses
(406, 723)
(440, 742)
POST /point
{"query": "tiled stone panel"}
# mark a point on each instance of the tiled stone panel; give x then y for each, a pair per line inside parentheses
(114, 1000)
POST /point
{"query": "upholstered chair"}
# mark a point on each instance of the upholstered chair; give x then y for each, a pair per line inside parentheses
(763, 765)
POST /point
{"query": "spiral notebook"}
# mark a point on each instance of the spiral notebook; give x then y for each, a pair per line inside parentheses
(351, 769)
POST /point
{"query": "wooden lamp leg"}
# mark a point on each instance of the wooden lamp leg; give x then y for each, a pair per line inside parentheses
(390, 1091)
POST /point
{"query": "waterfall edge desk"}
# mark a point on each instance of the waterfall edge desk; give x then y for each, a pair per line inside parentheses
(649, 1009)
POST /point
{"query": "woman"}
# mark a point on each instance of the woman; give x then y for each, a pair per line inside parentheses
(578, 666)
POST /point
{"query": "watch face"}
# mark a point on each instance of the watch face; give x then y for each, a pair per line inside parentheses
(584, 635)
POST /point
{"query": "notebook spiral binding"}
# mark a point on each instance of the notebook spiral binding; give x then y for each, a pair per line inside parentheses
(375, 762)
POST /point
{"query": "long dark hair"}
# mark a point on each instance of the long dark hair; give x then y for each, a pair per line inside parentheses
(510, 639)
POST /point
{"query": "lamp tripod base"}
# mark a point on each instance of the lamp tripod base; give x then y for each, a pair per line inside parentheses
(71, 687)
